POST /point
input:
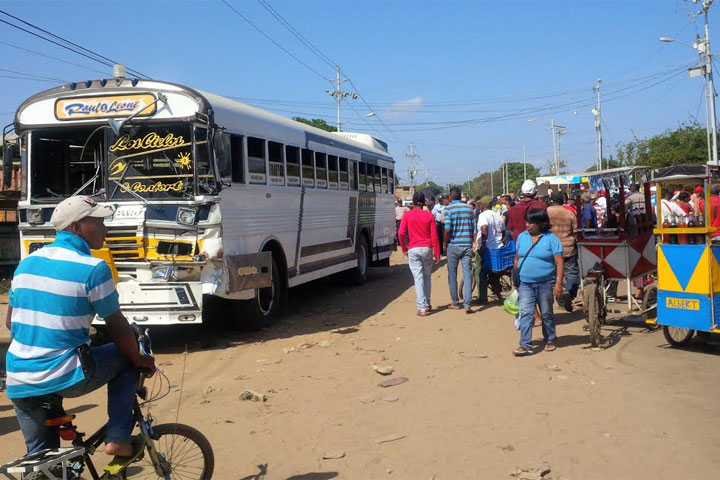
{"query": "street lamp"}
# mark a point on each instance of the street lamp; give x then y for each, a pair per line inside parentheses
(702, 46)
(362, 117)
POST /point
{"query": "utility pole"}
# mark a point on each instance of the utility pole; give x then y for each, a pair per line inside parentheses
(598, 125)
(557, 132)
(703, 46)
(411, 167)
(339, 95)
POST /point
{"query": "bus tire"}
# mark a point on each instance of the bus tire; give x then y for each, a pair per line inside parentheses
(263, 310)
(358, 274)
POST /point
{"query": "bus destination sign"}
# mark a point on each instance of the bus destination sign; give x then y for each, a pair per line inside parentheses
(104, 107)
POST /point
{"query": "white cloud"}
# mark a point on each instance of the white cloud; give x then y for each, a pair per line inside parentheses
(403, 108)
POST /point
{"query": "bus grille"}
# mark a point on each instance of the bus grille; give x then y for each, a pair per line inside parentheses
(125, 243)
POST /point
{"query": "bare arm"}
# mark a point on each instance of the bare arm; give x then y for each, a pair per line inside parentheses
(8, 318)
(559, 272)
(121, 334)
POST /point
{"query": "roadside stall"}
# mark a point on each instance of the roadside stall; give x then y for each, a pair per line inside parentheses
(688, 296)
(621, 254)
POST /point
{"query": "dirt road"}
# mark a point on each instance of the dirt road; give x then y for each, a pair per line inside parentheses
(635, 410)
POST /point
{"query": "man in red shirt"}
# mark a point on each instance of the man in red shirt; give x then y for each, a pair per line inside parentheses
(423, 244)
(516, 220)
(715, 210)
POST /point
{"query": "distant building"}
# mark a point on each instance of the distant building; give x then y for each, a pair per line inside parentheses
(404, 193)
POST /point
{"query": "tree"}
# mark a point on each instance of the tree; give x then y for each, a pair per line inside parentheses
(686, 144)
(606, 164)
(480, 185)
(428, 184)
(317, 123)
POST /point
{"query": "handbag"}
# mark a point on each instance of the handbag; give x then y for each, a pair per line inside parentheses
(515, 274)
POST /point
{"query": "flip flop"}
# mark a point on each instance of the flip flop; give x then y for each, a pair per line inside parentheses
(118, 464)
(550, 347)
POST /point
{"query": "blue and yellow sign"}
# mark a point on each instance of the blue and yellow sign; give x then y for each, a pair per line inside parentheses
(688, 285)
(104, 107)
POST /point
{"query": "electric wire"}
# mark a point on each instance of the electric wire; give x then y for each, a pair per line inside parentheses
(18, 77)
(97, 57)
(273, 41)
(32, 75)
(51, 57)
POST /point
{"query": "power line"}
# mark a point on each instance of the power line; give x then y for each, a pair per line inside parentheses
(297, 34)
(50, 56)
(29, 78)
(33, 75)
(274, 42)
(98, 57)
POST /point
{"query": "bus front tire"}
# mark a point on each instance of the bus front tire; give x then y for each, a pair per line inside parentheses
(263, 310)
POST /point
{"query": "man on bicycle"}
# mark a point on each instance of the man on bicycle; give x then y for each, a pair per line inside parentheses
(55, 295)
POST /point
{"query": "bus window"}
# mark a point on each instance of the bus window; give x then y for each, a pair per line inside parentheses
(352, 175)
(333, 172)
(344, 185)
(391, 180)
(384, 178)
(361, 177)
(320, 170)
(378, 184)
(277, 169)
(238, 158)
(292, 158)
(308, 175)
(256, 160)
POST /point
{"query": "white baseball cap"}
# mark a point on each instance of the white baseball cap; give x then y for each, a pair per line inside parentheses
(528, 188)
(76, 208)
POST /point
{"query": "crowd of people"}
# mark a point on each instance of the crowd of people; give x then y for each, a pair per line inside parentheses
(544, 232)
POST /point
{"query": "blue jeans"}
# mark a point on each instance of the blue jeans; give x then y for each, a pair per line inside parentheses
(571, 275)
(420, 261)
(111, 367)
(463, 256)
(530, 294)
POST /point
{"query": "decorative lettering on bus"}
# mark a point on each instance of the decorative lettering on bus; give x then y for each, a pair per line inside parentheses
(321, 183)
(344, 185)
(105, 107)
(277, 180)
(682, 303)
(157, 187)
(334, 185)
(257, 178)
(293, 181)
(308, 182)
(151, 141)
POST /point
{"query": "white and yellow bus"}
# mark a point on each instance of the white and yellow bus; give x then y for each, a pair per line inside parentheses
(213, 198)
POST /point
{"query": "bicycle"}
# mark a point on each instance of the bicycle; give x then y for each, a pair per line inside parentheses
(170, 451)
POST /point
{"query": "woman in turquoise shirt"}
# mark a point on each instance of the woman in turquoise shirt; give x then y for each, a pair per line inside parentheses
(540, 262)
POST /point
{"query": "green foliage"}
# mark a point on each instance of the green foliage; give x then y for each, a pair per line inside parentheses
(428, 184)
(480, 185)
(607, 163)
(316, 122)
(687, 144)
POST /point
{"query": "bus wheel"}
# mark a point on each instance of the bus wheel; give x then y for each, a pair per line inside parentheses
(358, 275)
(263, 310)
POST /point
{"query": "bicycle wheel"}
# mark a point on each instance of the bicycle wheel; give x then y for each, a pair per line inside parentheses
(594, 304)
(676, 336)
(184, 452)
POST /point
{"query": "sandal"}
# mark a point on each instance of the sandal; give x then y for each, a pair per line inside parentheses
(522, 351)
(455, 306)
(422, 313)
(550, 347)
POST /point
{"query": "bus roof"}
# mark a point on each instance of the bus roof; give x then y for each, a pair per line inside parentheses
(42, 110)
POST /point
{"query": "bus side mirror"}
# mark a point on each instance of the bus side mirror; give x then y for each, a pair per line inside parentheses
(7, 164)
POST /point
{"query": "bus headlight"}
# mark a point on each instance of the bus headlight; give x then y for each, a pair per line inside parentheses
(186, 216)
(35, 216)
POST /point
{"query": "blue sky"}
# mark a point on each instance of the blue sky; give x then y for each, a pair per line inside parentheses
(422, 66)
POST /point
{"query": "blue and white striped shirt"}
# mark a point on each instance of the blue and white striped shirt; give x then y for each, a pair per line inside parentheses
(55, 294)
(459, 220)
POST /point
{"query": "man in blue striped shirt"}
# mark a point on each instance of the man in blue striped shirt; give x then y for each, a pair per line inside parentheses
(460, 230)
(55, 294)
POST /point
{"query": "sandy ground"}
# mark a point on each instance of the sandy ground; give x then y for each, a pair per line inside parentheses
(470, 410)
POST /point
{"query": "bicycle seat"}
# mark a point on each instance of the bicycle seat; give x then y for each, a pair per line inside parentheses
(57, 421)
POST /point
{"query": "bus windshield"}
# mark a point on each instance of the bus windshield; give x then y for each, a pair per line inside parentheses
(63, 160)
(156, 161)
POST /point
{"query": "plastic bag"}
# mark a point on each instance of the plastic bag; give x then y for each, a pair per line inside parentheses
(511, 303)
